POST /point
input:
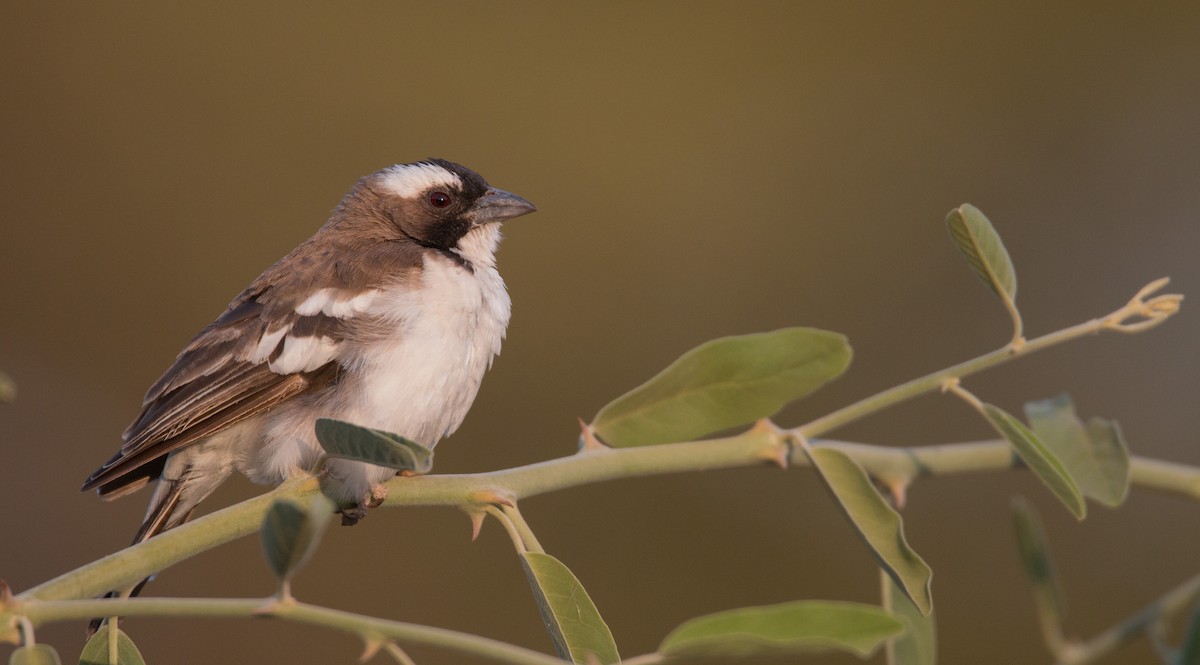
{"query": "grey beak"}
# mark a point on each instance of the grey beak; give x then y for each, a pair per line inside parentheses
(497, 205)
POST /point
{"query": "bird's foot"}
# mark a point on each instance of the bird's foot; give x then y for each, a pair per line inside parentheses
(352, 514)
(373, 499)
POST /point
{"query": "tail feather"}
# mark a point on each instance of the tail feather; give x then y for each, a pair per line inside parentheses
(163, 514)
(133, 481)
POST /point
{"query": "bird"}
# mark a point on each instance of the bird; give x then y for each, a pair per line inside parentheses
(387, 317)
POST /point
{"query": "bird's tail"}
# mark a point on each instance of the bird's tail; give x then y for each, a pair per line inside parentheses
(172, 503)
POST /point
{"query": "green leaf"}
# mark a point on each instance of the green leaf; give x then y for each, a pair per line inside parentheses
(724, 383)
(95, 652)
(573, 621)
(290, 533)
(38, 654)
(350, 441)
(1095, 456)
(797, 627)
(983, 249)
(1039, 458)
(878, 524)
(917, 645)
(1039, 567)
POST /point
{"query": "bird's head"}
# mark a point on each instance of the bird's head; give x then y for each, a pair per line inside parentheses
(443, 205)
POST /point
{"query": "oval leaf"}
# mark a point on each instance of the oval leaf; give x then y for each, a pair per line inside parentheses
(802, 626)
(983, 249)
(724, 383)
(1039, 458)
(95, 652)
(350, 441)
(876, 521)
(917, 645)
(290, 533)
(37, 654)
(1039, 567)
(576, 628)
(1095, 456)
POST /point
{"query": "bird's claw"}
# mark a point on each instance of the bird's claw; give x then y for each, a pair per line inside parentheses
(373, 499)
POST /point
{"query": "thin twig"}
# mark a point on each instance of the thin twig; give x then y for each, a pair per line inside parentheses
(42, 612)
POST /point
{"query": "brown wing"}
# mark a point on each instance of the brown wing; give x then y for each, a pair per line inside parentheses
(279, 338)
(228, 373)
(215, 383)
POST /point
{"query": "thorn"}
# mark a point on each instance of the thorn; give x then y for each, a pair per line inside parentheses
(899, 491)
(371, 646)
(493, 498)
(587, 438)
(766, 426)
(5, 594)
(477, 518)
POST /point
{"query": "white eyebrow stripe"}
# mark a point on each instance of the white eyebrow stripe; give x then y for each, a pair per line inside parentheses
(327, 301)
(410, 180)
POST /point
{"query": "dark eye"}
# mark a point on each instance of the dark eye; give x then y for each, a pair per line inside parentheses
(439, 199)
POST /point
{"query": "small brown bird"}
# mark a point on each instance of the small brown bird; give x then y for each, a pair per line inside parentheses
(387, 317)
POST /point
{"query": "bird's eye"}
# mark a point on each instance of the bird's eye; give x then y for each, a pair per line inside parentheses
(439, 199)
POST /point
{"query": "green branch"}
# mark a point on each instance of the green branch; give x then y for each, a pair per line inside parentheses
(62, 598)
(1138, 315)
(470, 491)
(371, 629)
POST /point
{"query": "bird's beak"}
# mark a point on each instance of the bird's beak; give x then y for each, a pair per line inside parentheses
(497, 205)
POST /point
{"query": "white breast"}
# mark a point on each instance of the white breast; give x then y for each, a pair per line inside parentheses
(418, 383)
(421, 384)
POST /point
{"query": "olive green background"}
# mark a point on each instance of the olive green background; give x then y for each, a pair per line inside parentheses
(701, 170)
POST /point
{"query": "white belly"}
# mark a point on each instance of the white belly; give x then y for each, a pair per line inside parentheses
(418, 383)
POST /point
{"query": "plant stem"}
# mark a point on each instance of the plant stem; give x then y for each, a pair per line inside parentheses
(935, 380)
(1145, 313)
(41, 612)
(522, 527)
(130, 565)
(590, 465)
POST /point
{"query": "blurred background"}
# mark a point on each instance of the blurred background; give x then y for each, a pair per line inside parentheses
(700, 170)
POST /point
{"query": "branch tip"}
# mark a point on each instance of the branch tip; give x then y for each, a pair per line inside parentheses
(1146, 314)
(1152, 287)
